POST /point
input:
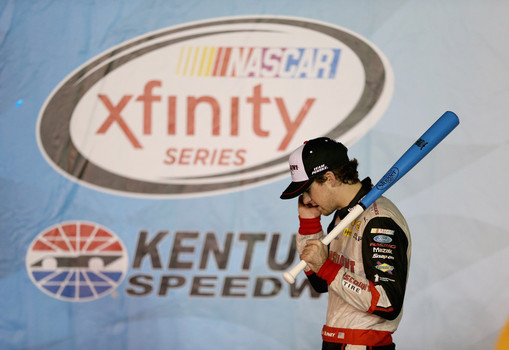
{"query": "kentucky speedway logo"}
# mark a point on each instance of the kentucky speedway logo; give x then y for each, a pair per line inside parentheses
(77, 261)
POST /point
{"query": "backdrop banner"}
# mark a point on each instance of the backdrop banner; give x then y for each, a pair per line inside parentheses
(144, 146)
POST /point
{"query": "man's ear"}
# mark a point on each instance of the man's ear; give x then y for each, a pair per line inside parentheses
(331, 178)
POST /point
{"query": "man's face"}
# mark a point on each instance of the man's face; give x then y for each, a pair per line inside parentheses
(320, 195)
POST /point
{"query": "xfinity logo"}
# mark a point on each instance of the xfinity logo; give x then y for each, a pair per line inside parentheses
(211, 106)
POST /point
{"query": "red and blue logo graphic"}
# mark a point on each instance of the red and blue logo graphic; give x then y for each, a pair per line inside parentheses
(77, 261)
(258, 62)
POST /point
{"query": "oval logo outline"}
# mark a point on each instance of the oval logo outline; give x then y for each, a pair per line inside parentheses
(382, 239)
(73, 165)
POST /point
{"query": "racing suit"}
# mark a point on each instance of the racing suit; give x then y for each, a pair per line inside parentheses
(365, 274)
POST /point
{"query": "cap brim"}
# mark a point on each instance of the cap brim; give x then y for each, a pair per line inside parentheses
(295, 189)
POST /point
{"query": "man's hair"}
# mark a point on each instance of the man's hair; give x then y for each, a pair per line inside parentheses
(347, 173)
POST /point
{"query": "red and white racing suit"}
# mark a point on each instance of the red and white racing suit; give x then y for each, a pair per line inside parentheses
(365, 274)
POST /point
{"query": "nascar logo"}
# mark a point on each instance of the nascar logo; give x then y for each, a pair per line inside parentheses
(76, 261)
(258, 62)
(382, 231)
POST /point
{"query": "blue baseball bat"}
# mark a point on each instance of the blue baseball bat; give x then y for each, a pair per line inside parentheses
(432, 137)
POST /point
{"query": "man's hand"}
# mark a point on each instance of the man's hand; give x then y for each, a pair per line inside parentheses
(308, 211)
(314, 254)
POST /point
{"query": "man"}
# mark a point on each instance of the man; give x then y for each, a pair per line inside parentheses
(365, 269)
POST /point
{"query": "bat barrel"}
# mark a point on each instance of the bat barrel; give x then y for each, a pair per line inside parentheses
(436, 133)
(424, 144)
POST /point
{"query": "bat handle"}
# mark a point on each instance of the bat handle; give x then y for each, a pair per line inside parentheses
(291, 274)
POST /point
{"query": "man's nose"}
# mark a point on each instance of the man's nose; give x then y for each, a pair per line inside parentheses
(306, 198)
